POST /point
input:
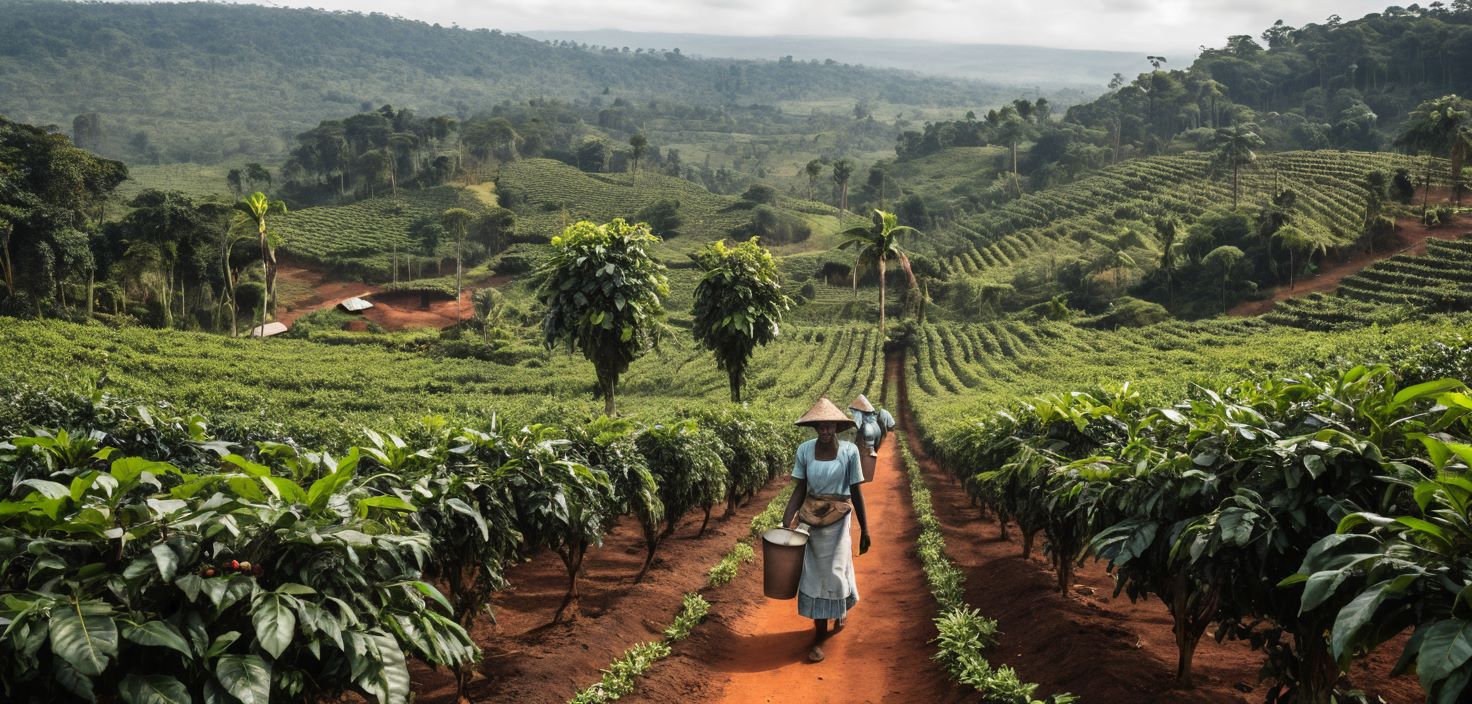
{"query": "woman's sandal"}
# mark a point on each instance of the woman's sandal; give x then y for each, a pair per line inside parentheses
(816, 654)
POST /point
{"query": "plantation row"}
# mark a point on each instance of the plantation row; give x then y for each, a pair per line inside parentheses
(959, 370)
(557, 194)
(1224, 498)
(321, 392)
(1060, 222)
(358, 238)
(1318, 516)
(1391, 289)
(166, 562)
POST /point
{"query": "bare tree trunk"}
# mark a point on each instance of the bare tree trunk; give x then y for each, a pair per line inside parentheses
(572, 558)
(705, 522)
(881, 297)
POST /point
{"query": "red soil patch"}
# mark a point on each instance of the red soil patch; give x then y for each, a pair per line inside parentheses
(1088, 642)
(529, 661)
(753, 649)
(390, 311)
(1413, 236)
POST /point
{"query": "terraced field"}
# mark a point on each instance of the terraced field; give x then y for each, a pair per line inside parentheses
(358, 238)
(959, 372)
(558, 194)
(1059, 223)
(1391, 289)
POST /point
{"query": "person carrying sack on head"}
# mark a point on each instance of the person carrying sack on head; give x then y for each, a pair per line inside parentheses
(825, 494)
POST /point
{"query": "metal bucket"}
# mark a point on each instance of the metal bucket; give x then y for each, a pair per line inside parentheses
(867, 462)
(782, 551)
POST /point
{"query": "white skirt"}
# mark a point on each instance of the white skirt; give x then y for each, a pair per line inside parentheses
(828, 588)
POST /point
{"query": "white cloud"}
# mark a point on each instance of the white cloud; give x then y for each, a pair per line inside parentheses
(1153, 26)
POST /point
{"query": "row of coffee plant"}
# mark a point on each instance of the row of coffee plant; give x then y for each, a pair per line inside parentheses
(1317, 516)
(148, 558)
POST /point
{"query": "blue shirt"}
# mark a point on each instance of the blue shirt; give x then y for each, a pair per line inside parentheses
(828, 477)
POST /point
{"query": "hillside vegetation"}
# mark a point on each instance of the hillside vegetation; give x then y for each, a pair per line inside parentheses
(251, 75)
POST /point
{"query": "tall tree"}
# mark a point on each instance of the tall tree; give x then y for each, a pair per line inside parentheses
(456, 221)
(49, 193)
(604, 296)
(738, 305)
(876, 244)
(254, 209)
(1223, 260)
(1442, 126)
(1168, 230)
(814, 169)
(637, 144)
(1232, 147)
(842, 170)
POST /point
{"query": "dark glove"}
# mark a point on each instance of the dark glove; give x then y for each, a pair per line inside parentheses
(863, 542)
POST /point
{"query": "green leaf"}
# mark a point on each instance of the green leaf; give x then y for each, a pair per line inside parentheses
(1320, 586)
(1355, 616)
(391, 685)
(248, 677)
(157, 633)
(1445, 648)
(153, 689)
(275, 624)
(429, 591)
(1424, 390)
(459, 506)
(86, 642)
(48, 489)
(385, 502)
(167, 561)
(222, 643)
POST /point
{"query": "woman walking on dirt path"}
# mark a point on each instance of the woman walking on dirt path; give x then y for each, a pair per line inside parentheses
(826, 477)
(870, 428)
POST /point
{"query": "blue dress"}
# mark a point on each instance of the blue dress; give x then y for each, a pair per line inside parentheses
(828, 588)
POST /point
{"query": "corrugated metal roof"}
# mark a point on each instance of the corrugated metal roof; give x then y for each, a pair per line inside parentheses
(353, 305)
(268, 330)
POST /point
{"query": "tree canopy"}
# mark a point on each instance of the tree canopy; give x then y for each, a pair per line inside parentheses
(604, 295)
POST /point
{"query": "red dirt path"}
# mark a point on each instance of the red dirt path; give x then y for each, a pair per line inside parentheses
(1413, 236)
(754, 649)
(391, 311)
(529, 661)
(1088, 642)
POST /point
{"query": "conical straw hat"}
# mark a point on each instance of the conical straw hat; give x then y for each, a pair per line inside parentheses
(823, 412)
(861, 404)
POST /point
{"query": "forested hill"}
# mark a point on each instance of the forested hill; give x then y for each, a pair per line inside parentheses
(198, 82)
(1342, 84)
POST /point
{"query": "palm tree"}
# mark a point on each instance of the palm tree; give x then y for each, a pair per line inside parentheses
(638, 143)
(1212, 91)
(1233, 148)
(1168, 229)
(1444, 126)
(254, 209)
(1010, 131)
(456, 221)
(877, 244)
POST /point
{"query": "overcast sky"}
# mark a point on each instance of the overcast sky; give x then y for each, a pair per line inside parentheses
(1131, 25)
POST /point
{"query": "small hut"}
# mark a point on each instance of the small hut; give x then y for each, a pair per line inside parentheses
(355, 305)
(268, 330)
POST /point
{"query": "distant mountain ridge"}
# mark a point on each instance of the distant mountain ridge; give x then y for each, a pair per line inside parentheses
(1024, 66)
(202, 81)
